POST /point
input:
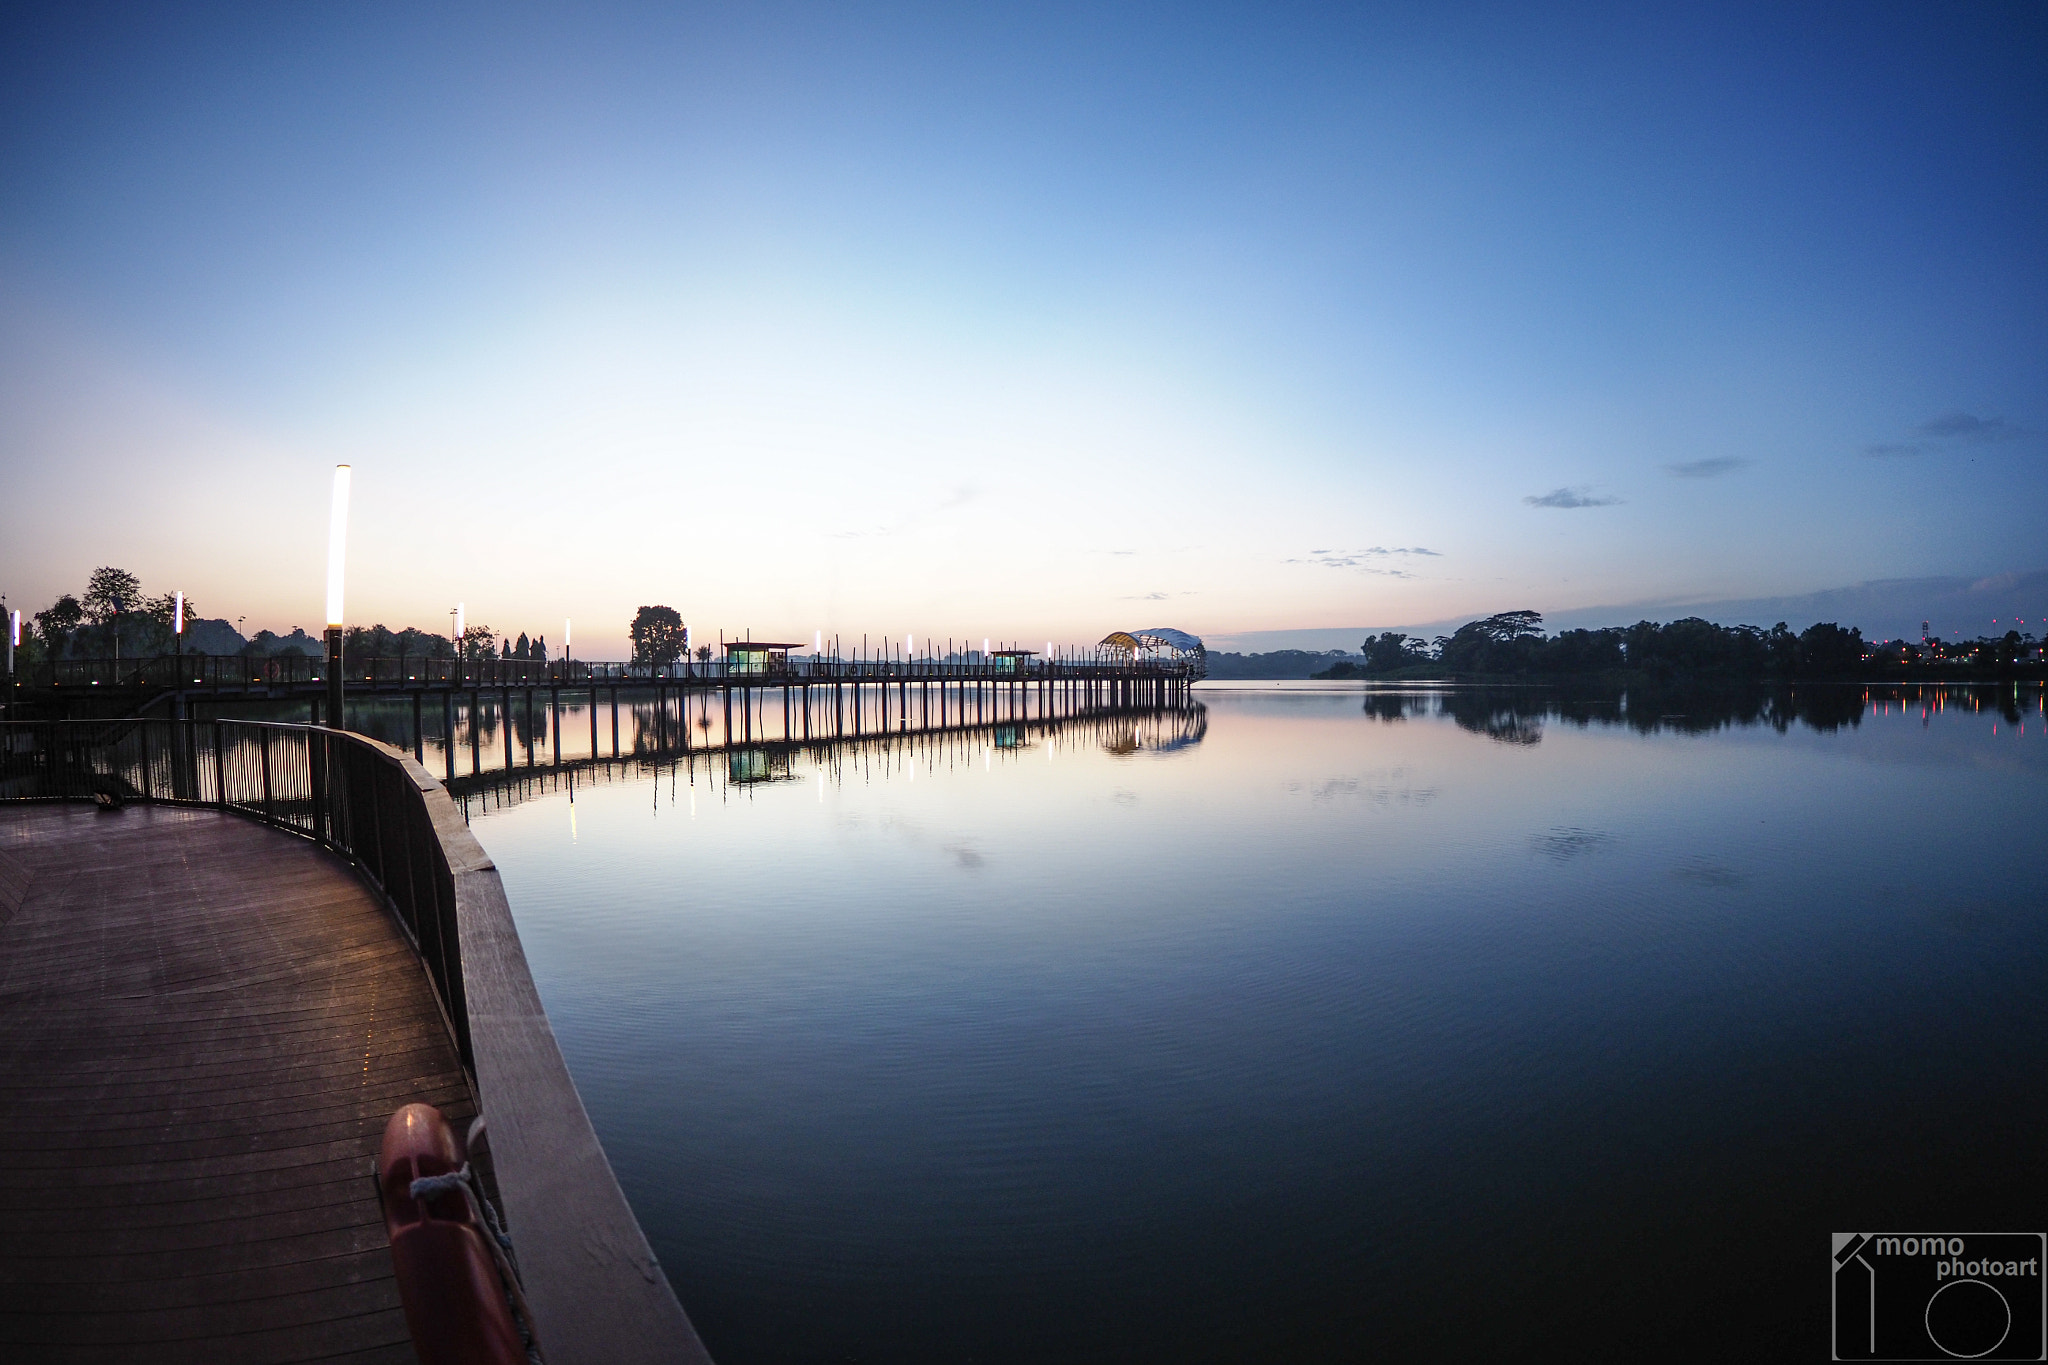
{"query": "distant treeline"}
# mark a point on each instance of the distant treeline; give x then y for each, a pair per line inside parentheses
(1512, 644)
(1517, 715)
(1280, 663)
(113, 616)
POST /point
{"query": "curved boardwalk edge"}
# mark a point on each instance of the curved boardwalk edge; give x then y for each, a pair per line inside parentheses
(596, 1290)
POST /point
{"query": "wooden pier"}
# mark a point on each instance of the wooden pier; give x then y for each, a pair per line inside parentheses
(212, 997)
(204, 1025)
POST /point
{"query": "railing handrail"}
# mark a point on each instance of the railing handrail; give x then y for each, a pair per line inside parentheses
(187, 672)
(596, 1291)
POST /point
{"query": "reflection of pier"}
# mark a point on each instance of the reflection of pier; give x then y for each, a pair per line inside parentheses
(557, 732)
(744, 761)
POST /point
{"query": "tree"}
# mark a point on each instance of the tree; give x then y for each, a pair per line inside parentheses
(1385, 653)
(657, 635)
(479, 642)
(1826, 648)
(522, 650)
(55, 623)
(109, 593)
(1510, 642)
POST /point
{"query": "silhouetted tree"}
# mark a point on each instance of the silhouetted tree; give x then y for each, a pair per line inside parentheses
(110, 593)
(657, 635)
(1393, 650)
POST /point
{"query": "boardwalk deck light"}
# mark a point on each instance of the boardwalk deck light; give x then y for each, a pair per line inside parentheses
(568, 639)
(337, 546)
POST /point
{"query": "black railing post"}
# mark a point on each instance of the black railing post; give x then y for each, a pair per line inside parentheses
(263, 748)
(316, 775)
(334, 715)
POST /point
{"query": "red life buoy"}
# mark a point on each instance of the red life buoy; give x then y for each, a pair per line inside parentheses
(447, 1278)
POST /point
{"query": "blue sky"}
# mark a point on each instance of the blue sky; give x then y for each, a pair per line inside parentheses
(1022, 322)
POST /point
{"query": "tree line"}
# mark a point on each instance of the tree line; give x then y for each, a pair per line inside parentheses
(1513, 643)
(114, 617)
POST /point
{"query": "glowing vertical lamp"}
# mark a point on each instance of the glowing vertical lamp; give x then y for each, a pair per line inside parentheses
(337, 547)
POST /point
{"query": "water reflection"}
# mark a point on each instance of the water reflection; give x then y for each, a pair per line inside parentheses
(1516, 715)
(1280, 1029)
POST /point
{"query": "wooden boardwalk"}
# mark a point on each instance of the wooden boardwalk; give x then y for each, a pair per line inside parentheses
(204, 1024)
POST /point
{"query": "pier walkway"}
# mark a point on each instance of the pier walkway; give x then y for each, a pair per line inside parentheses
(204, 1024)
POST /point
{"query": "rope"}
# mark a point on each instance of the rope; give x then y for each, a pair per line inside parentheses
(464, 1181)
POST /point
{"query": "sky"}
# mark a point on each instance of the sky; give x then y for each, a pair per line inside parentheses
(1021, 322)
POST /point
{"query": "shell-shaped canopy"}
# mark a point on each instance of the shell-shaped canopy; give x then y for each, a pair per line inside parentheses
(1157, 637)
(1171, 638)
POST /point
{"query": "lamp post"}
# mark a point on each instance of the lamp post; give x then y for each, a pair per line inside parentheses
(337, 546)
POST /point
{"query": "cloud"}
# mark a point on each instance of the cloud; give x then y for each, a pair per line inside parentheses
(1570, 497)
(1707, 469)
(1962, 425)
(1951, 428)
(1369, 560)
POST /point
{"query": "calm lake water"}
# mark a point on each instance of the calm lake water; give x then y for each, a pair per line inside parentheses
(1318, 1024)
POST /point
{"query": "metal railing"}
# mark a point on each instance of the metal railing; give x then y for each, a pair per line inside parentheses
(239, 673)
(341, 791)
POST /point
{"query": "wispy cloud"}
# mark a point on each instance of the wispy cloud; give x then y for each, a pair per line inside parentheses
(1581, 496)
(1949, 430)
(1964, 426)
(1707, 469)
(1156, 596)
(1374, 559)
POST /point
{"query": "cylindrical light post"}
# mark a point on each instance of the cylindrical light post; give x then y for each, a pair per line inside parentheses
(337, 545)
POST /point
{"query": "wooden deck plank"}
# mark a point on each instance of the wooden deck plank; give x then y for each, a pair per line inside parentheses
(204, 1025)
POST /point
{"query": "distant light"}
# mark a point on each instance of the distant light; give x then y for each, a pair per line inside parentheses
(906, 644)
(178, 613)
(14, 629)
(337, 543)
(818, 645)
(460, 630)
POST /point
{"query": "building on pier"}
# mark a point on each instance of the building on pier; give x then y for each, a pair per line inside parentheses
(756, 658)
